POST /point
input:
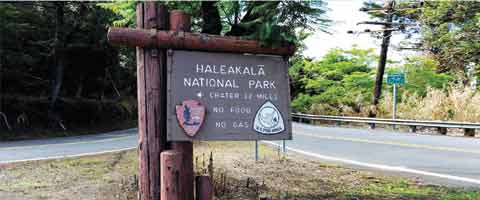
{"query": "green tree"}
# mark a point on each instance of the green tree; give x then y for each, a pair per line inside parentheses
(55, 50)
(341, 82)
(448, 30)
(271, 22)
(341, 77)
(421, 74)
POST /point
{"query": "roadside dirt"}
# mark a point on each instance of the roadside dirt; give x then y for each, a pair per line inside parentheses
(236, 174)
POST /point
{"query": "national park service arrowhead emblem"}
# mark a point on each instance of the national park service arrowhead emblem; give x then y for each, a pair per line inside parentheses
(268, 120)
(190, 116)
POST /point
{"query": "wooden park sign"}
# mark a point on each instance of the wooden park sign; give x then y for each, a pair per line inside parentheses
(198, 87)
(226, 96)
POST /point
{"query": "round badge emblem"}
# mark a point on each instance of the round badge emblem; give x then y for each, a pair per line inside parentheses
(268, 117)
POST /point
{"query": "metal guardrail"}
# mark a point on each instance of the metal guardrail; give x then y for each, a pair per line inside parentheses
(441, 126)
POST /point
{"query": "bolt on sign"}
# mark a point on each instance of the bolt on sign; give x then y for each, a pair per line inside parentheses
(227, 96)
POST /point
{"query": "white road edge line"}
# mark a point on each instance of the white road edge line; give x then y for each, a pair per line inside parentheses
(66, 156)
(379, 166)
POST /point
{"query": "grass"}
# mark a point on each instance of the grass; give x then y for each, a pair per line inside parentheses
(458, 104)
(296, 177)
(112, 176)
(454, 103)
(87, 177)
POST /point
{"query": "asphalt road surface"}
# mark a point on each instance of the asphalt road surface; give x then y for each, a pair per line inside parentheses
(445, 160)
(61, 147)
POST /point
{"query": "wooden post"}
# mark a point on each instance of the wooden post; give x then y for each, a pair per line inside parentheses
(171, 186)
(151, 73)
(185, 177)
(180, 21)
(204, 187)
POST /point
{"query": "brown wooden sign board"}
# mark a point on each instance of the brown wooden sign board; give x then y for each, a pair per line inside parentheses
(227, 96)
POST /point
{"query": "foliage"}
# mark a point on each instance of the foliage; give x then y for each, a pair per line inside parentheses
(125, 12)
(449, 30)
(420, 72)
(27, 38)
(341, 83)
(271, 22)
(455, 102)
(38, 37)
(341, 77)
(278, 21)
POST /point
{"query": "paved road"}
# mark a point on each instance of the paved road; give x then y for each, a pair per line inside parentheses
(67, 146)
(436, 159)
(445, 160)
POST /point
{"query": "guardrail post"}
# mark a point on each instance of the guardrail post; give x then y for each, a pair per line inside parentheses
(442, 130)
(338, 123)
(469, 132)
(412, 129)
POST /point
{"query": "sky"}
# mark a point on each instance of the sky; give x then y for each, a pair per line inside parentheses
(345, 14)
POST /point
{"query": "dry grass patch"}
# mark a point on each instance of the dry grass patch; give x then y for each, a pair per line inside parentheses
(94, 177)
(296, 177)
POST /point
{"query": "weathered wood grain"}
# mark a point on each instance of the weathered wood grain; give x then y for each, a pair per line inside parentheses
(151, 102)
(191, 41)
(171, 186)
(180, 21)
(204, 187)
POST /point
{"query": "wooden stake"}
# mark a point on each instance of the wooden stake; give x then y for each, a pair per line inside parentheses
(204, 187)
(185, 177)
(171, 186)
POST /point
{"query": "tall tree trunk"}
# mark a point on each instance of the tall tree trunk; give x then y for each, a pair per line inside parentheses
(211, 18)
(58, 53)
(377, 92)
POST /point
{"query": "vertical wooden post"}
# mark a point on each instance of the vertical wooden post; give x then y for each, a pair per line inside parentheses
(151, 84)
(171, 186)
(185, 178)
(180, 21)
(204, 187)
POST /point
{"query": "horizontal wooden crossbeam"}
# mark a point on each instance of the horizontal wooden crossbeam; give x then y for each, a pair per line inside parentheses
(191, 41)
